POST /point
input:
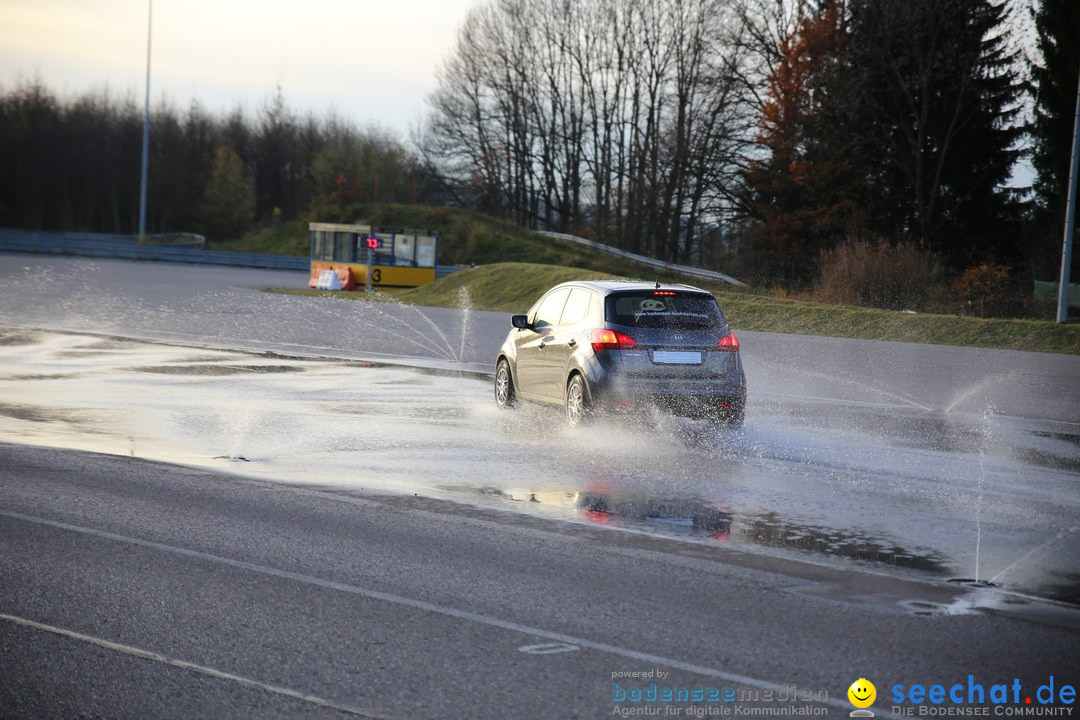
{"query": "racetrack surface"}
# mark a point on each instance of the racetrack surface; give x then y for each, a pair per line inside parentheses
(396, 607)
(344, 514)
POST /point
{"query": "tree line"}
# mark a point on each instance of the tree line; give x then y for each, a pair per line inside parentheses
(626, 120)
(759, 136)
(74, 164)
(777, 130)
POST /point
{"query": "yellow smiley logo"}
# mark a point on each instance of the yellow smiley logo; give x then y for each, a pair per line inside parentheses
(862, 693)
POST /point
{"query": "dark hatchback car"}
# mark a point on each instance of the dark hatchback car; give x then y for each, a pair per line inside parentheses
(619, 346)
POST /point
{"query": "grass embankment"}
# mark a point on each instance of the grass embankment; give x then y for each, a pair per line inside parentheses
(513, 287)
(466, 238)
(507, 287)
(806, 318)
(517, 266)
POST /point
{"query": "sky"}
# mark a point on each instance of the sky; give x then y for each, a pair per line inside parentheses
(370, 61)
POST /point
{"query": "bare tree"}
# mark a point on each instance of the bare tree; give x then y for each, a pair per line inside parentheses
(615, 118)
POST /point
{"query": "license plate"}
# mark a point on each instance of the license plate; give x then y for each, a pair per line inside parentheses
(671, 357)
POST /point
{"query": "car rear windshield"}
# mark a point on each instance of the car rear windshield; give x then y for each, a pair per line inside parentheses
(662, 309)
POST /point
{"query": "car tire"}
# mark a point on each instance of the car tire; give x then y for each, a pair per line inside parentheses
(505, 397)
(577, 401)
(737, 417)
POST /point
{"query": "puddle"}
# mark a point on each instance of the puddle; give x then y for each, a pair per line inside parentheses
(972, 583)
(895, 488)
(1046, 459)
(1067, 437)
(36, 414)
(17, 337)
(708, 521)
(216, 370)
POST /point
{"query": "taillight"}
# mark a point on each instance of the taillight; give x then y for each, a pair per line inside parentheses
(604, 339)
(728, 343)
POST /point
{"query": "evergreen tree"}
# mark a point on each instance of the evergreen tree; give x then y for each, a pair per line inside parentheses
(229, 203)
(805, 189)
(1055, 77)
(935, 100)
(74, 164)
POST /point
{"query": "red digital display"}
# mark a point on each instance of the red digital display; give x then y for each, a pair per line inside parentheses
(373, 243)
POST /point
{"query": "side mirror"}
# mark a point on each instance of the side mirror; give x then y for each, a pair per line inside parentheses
(521, 322)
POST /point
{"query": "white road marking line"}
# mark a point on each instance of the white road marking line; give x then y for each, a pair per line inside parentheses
(547, 648)
(558, 637)
(184, 664)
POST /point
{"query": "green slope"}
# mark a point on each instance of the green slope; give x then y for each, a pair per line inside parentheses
(515, 266)
(513, 287)
(467, 238)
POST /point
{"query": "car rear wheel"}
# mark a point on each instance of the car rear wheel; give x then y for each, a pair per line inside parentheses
(577, 402)
(504, 386)
(736, 418)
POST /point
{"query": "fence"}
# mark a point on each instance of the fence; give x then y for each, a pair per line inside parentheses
(650, 262)
(1048, 292)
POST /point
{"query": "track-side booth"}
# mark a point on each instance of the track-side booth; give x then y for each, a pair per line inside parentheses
(362, 256)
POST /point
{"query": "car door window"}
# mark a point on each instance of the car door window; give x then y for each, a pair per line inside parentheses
(577, 307)
(550, 309)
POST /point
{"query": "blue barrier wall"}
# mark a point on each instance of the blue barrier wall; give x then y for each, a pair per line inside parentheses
(124, 247)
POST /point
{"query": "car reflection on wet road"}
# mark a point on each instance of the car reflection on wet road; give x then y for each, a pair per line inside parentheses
(896, 489)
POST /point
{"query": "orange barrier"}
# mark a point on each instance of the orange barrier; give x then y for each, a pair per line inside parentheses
(345, 274)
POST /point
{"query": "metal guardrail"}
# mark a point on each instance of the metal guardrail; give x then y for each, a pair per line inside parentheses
(442, 271)
(124, 247)
(650, 262)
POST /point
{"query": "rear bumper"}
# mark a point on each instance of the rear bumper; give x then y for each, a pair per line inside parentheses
(691, 406)
(714, 397)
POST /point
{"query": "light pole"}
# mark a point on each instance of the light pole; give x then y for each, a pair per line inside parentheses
(146, 130)
(1070, 216)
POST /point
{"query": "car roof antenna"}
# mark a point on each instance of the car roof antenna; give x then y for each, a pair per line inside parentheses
(657, 282)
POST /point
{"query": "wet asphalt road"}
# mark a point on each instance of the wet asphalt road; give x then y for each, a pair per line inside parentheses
(221, 307)
(404, 606)
(392, 606)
